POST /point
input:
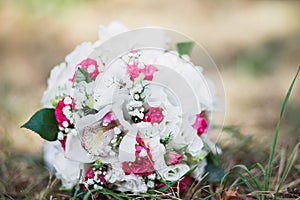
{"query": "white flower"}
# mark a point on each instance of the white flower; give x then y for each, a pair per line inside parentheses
(117, 131)
(90, 181)
(150, 184)
(143, 153)
(200, 86)
(174, 172)
(146, 129)
(66, 170)
(152, 176)
(74, 150)
(80, 53)
(58, 84)
(132, 183)
(60, 135)
(125, 183)
(112, 29)
(67, 100)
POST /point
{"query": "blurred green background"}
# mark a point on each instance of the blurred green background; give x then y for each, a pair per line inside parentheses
(255, 44)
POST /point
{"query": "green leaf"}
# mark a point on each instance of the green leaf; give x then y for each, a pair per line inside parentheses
(184, 48)
(82, 75)
(44, 123)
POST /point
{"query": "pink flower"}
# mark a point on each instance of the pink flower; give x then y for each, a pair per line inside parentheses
(62, 113)
(148, 71)
(154, 115)
(143, 164)
(134, 71)
(181, 184)
(89, 65)
(173, 158)
(90, 174)
(200, 124)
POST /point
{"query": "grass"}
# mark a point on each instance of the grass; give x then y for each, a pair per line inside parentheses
(25, 177)
(250, 179)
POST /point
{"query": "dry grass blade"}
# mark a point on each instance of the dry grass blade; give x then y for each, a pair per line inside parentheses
(288, 167)
(281, 164)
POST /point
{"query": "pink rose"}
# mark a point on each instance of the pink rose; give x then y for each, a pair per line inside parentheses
(134, 71)
(143, 164)
(200, 124)
(89, 65)
(154, 115)
(173, 158)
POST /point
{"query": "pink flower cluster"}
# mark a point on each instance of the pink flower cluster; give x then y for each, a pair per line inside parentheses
(200, 124)
(94, 176)
(143, 164)
(154, 115)
(60, 114)
(89, 65)
(63, 115)
(134, 70)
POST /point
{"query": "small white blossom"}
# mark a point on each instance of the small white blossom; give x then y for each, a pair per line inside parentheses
(60, 135)
(97, 186)
(152, 176)
(73, 132)
(90, 181)
(65, 124)
(140, 115)
(150, 184)
(136, 96)
(135, 104)
(117, 131)
(141, 66)
(143, 152)
(91, 68)
(67, 100)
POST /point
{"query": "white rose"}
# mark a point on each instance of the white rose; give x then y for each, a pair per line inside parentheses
(80, 53)
(132, 183)
(125, 183)
(58, 84)
(111, 30)
(202, 88)
(66, 170)
(174, 172)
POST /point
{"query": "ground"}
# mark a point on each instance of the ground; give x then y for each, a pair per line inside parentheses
(255, 44)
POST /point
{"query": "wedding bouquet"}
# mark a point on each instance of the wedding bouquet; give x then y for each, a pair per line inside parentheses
(128, 113)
